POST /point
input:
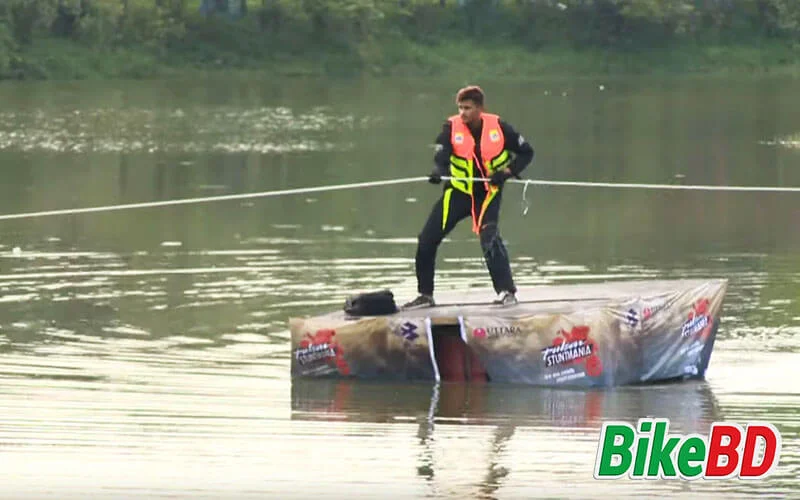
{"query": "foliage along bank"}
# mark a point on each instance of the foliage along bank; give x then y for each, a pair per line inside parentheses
(147, 38)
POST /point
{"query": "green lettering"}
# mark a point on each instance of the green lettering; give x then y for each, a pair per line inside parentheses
(660, 458)
(641, 456)
(693, 449)
(610, 449)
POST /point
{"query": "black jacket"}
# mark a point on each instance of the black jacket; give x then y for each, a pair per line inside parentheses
(514, 143)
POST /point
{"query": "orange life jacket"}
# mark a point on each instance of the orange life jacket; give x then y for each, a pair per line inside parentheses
(463, 161)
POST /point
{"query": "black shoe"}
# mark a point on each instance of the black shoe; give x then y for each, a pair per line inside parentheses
(506, 299)
(420, 302)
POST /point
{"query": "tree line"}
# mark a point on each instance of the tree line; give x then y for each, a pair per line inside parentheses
(267, 28)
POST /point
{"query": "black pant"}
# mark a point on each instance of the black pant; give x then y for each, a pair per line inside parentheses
(435, 230)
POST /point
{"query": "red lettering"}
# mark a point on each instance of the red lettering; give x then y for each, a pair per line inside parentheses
(716, 449)
(772, 445)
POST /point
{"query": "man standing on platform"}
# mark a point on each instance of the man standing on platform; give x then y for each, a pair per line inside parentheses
(472, 145)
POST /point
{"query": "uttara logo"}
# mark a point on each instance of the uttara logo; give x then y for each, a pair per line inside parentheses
(699, 320)
(574, 347)
(729, 451)
(496, 331)
(321, 348)
(637, 317)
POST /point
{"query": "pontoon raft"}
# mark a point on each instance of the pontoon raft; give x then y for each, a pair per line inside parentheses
(603, 334)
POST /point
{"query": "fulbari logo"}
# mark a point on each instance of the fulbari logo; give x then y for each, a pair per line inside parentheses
(698, 320)
(654, 453)
(321, 348)
(573, 347)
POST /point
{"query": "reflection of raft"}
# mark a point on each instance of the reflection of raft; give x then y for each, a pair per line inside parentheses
(691, 406)
(602, 334)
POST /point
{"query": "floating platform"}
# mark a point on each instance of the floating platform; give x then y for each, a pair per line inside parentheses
(584, 335)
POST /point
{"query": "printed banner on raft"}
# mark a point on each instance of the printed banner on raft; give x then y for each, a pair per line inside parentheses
(551, 349)
(650, 451)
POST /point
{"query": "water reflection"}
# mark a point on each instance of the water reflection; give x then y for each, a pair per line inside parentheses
(196, 129)
(503, 410)
(691, 406)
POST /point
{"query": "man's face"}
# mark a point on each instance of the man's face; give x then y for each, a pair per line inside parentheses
(469, 112)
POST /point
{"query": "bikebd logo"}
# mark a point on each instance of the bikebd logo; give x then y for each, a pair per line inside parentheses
(650, 452)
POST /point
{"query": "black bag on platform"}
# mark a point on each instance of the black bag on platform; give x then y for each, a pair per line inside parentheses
(371, 304)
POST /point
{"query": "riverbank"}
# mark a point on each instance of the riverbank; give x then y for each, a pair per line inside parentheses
(83, 39)
(59, 59)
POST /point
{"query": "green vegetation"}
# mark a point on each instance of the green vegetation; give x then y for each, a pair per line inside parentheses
(69, 39)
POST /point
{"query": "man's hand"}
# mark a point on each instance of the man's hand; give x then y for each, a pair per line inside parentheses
(499, 177)
(435, 177)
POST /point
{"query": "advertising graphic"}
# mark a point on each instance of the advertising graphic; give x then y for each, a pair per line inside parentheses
(650, 451)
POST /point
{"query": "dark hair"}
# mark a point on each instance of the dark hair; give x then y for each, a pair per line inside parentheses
(472, 93)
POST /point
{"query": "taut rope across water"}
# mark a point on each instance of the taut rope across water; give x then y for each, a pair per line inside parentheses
(389, 182)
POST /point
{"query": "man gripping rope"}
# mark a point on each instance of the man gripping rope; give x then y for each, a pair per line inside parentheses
(473, 144)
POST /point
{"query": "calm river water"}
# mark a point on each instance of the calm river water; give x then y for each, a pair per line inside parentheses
(145, 353)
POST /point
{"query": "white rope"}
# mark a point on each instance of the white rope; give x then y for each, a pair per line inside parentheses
(540, 182)
(225, 197)
(388, 182)
(528, 182)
